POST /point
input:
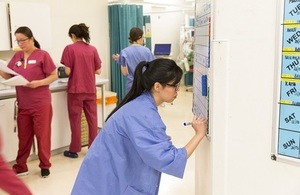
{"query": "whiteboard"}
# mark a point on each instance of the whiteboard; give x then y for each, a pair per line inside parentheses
(36, 16)
(286, 131)
(202, 58)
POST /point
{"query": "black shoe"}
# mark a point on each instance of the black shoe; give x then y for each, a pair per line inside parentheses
(70, 154)
(45, 173)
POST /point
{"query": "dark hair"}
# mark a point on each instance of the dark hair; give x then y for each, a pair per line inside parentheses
(80, 31)
(28, 33)
(147, 74)
(135, 34)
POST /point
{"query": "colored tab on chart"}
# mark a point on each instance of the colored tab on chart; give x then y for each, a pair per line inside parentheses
(204, 85)
(290, 65)
(290, 91)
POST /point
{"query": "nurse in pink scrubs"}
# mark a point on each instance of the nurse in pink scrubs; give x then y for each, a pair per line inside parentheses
(33, 100)
(81, 62)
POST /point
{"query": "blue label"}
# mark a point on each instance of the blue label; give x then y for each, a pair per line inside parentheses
(292, 11)
(290, 91)
(290, 65)
(289, 117)
(288, 143)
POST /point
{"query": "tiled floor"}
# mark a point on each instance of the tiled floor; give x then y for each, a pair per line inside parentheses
(64, 170)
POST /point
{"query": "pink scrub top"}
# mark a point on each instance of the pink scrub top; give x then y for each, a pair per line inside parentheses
(83, 60)
(39, 66)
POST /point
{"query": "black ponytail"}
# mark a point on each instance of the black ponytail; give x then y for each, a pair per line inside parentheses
(147, 74)
(136, 89)
(37, 44)
(80, 31)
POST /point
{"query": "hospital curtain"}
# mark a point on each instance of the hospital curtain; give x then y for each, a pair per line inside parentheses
(121, 19)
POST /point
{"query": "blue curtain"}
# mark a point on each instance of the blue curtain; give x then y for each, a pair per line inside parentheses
(121, 19)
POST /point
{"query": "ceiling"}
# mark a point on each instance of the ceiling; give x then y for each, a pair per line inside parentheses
(159, 6)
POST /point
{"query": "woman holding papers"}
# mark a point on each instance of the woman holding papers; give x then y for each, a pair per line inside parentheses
(33, 100)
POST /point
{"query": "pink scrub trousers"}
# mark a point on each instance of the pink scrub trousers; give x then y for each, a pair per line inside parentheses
(34, 121)
(76, 103)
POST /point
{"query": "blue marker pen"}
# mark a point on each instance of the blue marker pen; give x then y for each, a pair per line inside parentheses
(187, 123)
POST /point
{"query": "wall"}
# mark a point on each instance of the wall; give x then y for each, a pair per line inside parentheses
(237, 159)
(68, 12)
(165, 28)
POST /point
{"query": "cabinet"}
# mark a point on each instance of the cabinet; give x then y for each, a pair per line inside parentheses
(4, 27)
(61, 131)
(37, 19)
(8, 130)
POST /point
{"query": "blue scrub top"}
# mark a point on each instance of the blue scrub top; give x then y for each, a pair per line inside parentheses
(131, 56)
(129, 153)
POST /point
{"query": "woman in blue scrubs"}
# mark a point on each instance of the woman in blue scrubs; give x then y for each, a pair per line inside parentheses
(132, 149)
(133, 54)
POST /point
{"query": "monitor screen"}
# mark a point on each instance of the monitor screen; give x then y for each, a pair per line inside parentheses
(162, 49)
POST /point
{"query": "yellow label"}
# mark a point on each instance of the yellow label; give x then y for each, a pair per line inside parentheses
(290, 80)
(292, 25)
(287, 75)
(291, 53)
(285, 101)
(288, 49)
(289, 21)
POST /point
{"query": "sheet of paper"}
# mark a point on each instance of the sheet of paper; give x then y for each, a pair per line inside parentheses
(16, 81)
(4, 68)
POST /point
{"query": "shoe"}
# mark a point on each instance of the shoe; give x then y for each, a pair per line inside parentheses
(70, 154)
(20, 173)
(45, 173)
